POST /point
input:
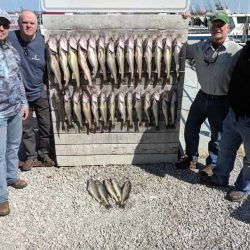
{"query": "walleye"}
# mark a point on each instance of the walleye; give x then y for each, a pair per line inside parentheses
(177, 50)
(165, 107)
(77, 107)
(138, 56)
(63, 58)
(93, 190)
(147, 106)
(94, 108)
(158, 56)
(168, 55)
(130, 109)
(102, 57)
(54, 61)
(173, 107)
(130, 55)
(68, 107)
(111, 60)
(138, 107)
(125, 192)
(120, 56)
(117, 189)
(103, 193)
(82, 58)
(86, 109)
(92, 55)
(73, 61)
(149, 55)
(155, 108)
(110, 190)
(121, 106)
(104, 109)
(112, 108)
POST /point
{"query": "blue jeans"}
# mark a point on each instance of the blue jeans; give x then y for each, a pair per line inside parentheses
(236, 130)
(10, 134)
(202, 108)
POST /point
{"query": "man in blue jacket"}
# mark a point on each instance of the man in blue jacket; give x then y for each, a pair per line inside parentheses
(31, 46)
(13, 107)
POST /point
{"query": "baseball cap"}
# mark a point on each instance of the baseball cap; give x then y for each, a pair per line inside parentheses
(4, 14)
(221, 16)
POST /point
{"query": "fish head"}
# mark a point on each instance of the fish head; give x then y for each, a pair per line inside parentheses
(83, 43)
(73, 42)
(138, 95)
(121, 96)
(85, 97)
(131, 42)
(94, 97)
(101, 42)
(52, 43)
(111, 46)
(63, 43)
(150, 42)
(121, 42)
(147, 96)
(139, 41)
(169, 41)
(92, 42)
(103, 97)
(156, 95)
(129, 96)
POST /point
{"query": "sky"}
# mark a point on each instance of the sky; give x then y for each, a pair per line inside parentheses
(16, 5)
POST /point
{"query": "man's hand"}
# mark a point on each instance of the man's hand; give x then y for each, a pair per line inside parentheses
(186, 15)
(25, 113)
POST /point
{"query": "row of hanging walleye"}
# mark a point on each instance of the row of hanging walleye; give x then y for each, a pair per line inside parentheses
(95, 54)
(128, 107)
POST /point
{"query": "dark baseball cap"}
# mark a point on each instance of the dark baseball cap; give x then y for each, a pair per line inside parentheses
(221, 16)
(4, 15)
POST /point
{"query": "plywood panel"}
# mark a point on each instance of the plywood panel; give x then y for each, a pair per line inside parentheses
(115, 159)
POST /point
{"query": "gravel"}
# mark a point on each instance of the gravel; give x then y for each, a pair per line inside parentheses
(167, 209)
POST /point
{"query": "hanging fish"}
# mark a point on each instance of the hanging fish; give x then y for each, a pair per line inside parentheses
(63, 59)
(82, 59)
(149, 55)
(167, 54)
(102, 57)
(120, 56)
(177, 50)
(73, 60)
(92, 55)
(130, 55)
(111, 60)
(54, 61)
(138, 56)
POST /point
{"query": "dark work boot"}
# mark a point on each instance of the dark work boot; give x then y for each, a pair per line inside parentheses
(186, 162)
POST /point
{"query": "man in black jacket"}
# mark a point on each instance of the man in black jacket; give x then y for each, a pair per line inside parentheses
(236, 130)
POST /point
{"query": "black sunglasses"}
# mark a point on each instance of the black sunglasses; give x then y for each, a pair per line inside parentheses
(6, 26)
(210, 60)
(25, 51)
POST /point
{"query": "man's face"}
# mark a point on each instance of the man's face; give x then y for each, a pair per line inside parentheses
(28, 24)
(4, 29)
(219, 30)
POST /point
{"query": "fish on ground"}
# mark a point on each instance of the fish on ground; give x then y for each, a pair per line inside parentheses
(126, 189)
(103, 193)
(109, 187)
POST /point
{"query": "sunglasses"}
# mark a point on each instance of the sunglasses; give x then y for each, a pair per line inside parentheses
(210, 60)
(6, 26)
